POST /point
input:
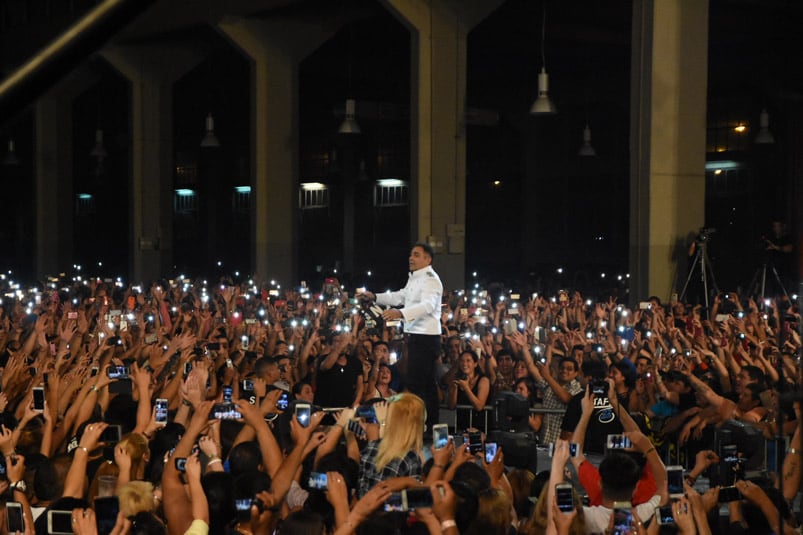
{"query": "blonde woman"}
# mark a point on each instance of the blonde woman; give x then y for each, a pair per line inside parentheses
(399, 452)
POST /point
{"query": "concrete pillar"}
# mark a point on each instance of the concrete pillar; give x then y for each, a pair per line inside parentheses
(152, 72)
(438, 31)
(669, 72)
(276, 48)
(54, 174)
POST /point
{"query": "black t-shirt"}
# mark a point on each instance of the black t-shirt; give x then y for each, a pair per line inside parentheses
(336, 387)
(603, 422)
(686, 401)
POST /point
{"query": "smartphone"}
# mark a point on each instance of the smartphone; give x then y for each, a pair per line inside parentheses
(475, 442)
(248, 385)
(490, 451)
(181, 464)
(187, 369)
(72, 315)
(396, 502)
(418, 498)
(674, 480)
(622, 518)
(106, 510)
(367, 413)
(111, 435)
(440, 436)
(94, 371)
(618, 442)
(573, 449)
(664, 515)
(213, 346)
(227, 392)
(151, 339)
(15, 521)
(510, 327)
(728, 453)
(729, 494)
(118, 372)
(38, 398)
(355, 427)
(303, 412)
(108, 453)
(318, 481)
(564, 497)
(225, 411)
(644, 305)
(161, 411)
(243, 508)
(59, 522)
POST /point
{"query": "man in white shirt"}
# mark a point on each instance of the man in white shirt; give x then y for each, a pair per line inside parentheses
(420, 302)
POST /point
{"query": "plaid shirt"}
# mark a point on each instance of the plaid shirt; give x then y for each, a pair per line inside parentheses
(551, 428)
(409, 465)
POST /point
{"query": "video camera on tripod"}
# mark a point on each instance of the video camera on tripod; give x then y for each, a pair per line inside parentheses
(705, 234)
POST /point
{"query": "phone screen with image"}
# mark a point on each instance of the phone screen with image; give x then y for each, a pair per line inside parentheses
(318, 481)
(440, 436)
(564, 497)
(303, 411)
(161, 411)
(622, 518)
(674, 480)
(490, 451)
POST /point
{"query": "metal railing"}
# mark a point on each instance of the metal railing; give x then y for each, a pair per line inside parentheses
(447, 415)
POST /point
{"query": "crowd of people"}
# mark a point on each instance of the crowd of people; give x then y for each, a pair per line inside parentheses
(240, 407)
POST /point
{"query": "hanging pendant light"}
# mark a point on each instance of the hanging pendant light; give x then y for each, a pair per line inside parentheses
(586, 149)
(543, 105)
(11, 156)
(210, 139)
(349, 124)
(99, 151)
(764, 136)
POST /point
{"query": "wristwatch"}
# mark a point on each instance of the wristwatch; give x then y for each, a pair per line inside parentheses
(19, 485)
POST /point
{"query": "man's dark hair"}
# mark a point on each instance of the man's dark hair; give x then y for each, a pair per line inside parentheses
(756, 375)
(755, 391)
(628, 370)
(644, 357)
(505, 353)
(262, 364)
(303, 522)
(426, 247)
(219, 490)
(594, 368)
(297, 388)
(380, 343)
(619, 474)
(473, 476)
(564, 360)
(244, 458)
(674, 376)
(145, 523)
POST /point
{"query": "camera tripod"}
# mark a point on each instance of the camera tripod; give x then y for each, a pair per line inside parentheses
(702, 263)
(759, 280)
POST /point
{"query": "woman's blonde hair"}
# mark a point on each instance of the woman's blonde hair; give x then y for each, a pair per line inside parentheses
(404, 429)
(137, 447)
(135, 497)
(493, 514)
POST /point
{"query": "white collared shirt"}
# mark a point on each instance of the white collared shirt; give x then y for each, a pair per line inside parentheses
(421, 302)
